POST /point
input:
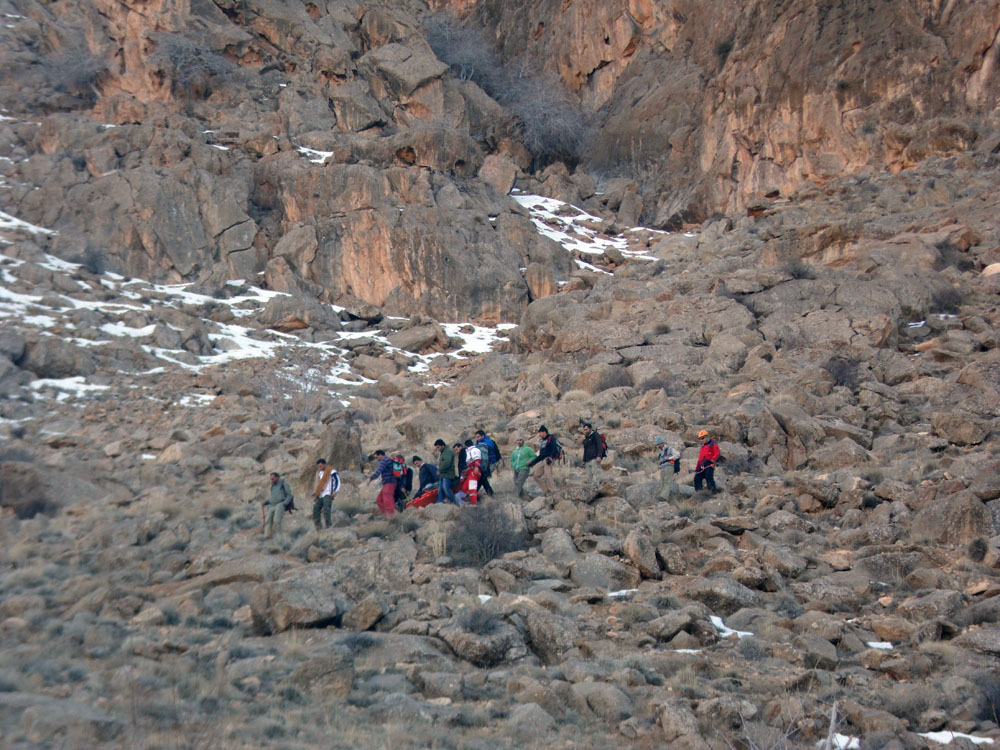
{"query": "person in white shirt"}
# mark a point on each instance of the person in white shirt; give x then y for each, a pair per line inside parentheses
(670, 465)
(327, 484)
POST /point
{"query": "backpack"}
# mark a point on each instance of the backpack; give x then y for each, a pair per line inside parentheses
(398, 469)
(602, 445)
(290, 505)
(485, 465)
(493, 450)
(559, 456)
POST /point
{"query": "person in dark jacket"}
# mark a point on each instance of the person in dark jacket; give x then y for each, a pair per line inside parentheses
(385, 501)
(591, 453)
(460, 457)
(548, 452)
(446, 472)
(427, 474)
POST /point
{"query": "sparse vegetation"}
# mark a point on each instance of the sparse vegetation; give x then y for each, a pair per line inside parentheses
(543, 115)
(93, 260)
(292, 391)
(479, 621)
(192, 69)
(844, 371)
(483, 532)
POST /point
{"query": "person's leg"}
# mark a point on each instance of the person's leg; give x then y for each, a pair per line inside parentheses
(484, 483)
(550, 483)
(317, 508)
(593, 471)
(520, 476)
(446, 492)
(278, 518)
(537, 473)
(698, 477)
(387, 499)
(666, 481)
(710, 479)
(268, 521)
(327, 509)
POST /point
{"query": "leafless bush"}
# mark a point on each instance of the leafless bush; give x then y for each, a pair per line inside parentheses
(74, 71)
(945, 300)
(479, 621)
(546, 118)
(482, 533)
(93, 260)
(192, 69)
(795, 268)
(844, 371)
(291, 393)
(463, 48)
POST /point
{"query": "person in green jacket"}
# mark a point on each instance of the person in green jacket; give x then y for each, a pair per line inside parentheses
(520, 457)
(446, 470)
(276, 504)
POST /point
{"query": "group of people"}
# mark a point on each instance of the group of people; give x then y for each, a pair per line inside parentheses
(462, 469)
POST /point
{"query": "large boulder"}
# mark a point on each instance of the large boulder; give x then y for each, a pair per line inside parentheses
(54, 358)
(22, 490)
(483, 640)
(722, 594)
(306, 598)
(959, 427)
(953, 519)
(598, 571)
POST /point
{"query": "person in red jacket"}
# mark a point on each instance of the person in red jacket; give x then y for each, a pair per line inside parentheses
(704, 470)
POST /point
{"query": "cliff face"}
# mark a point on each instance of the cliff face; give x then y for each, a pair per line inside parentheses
(322, 146)
(326, 148)
(715, 105)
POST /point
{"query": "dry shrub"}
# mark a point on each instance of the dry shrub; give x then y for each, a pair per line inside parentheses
(479, 621)
(292, 393)
(483, 532)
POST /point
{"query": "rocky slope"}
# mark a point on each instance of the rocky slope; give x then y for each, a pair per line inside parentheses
(179, 217)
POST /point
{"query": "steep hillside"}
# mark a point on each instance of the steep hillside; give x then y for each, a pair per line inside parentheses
(240, 235)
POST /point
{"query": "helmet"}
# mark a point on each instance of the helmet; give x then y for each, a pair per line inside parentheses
(703, 433)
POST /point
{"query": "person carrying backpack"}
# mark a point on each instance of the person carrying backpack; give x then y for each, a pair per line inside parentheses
(549, 451)
(386, 496)
(327, 484)
(704, 470)
(669, 462)
(404, 481)
(276, 504)
(487, 449)
(592, 453)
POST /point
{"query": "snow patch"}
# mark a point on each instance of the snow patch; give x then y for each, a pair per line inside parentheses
(10, 222)
(726, 632)
(622, 593)
(945, 737)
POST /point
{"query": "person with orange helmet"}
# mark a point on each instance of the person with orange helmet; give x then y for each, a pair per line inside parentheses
(704, 470)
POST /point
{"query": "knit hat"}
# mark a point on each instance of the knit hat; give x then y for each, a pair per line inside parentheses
(660, 440)
(543, 428)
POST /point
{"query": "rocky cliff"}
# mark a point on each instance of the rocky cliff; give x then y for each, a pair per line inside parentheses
(240, 235)
(714, 106)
